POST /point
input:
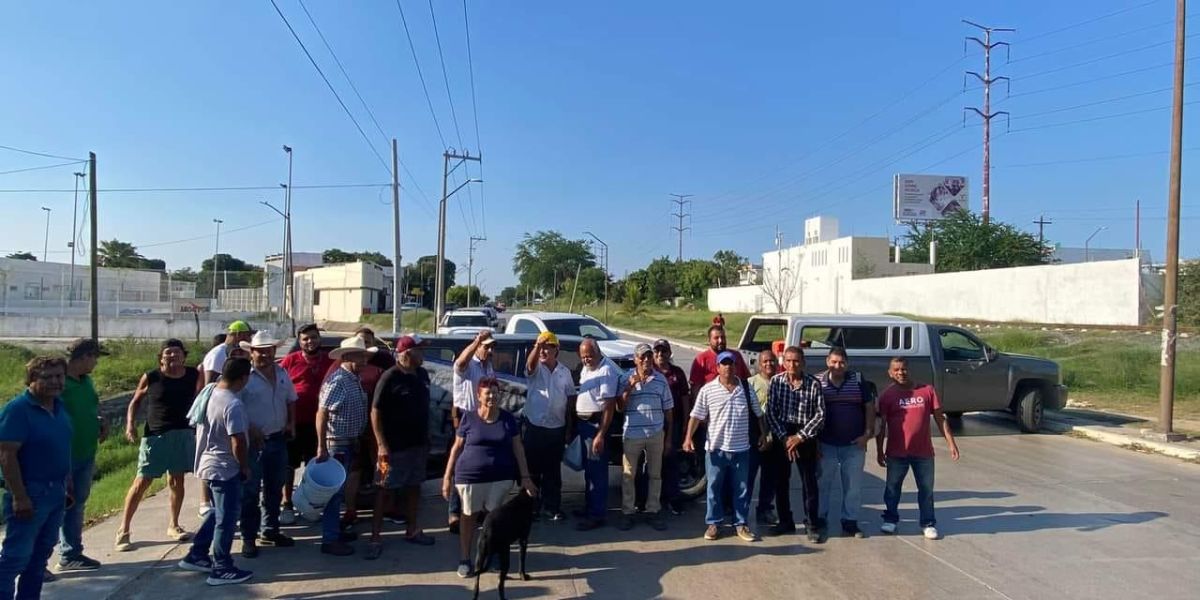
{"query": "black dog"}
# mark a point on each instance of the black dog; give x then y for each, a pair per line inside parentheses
(501, 528)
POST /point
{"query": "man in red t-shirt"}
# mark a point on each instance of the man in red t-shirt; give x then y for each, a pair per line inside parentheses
(306, 367)
(905, 408)
(704, 366)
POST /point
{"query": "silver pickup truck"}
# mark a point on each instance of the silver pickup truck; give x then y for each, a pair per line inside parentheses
(968, 374)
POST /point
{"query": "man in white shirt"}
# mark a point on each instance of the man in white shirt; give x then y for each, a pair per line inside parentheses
(214, 360)
(473, 364)
(546, 417)
(599, 384)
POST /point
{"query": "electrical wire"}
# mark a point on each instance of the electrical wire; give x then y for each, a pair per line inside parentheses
(445, 75)
(27, 169)
(329, 85)
(1093, 80)
(1088, 160)
(42, 154)
(202, 237)
(1098, 118)
(1092, 41)
(475, 116)
(242, 188)
(342, 68)
(1095, 60)
(1089, 21)
(420, 75)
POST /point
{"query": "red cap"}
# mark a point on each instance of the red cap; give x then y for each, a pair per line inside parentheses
(409, 342)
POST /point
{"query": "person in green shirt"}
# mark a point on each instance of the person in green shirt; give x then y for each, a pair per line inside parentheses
(83, 405)
(768, 366)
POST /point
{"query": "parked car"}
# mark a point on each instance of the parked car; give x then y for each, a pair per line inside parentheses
(969, 375)
(611, 344)
(464, 322)
(410, 306)
(491, 312)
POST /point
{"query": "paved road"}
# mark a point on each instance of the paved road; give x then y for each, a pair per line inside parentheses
(1024, 516)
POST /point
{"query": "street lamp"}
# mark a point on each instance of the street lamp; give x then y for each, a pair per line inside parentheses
(216, 258)
(605, 272)
(1087, 256)
(71, 244)
(439, 297)
(46, 243)
(283, 257)
(287, 241)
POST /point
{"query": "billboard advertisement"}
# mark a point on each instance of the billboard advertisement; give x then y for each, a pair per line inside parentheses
(928, 197)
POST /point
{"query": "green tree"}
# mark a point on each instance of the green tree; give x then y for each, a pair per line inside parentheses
(694, 277)
(22, 256)
(1189, 293)
(116, 254)
(631, 303)
(185, 274)
(336, 256)
(459, 295)
(547, 258)
(508, 295)
(728, 264)
(965, 243)
(421, 274)
(231, 272)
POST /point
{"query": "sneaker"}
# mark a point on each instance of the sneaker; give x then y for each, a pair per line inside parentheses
(198, 565)
(782, 529)
(287, 515)
(464, 569)
(228, 576)
(48, 576)
(850, 529)
(747, 535)
(931, 533)
(337, 549)
(815, 535)
(888, 528)
(274, 538)
(79, 563)
(203, 510)
(769, 516)
(249, 549)
(558, 516)
(712, 533)
(123, 544)
(626, 523)
(657, 522)
(588, 524)
(178, 534)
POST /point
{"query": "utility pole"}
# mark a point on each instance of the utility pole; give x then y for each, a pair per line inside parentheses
(986, 114)
(680, 201)
(397, 269)
(94, 301)
(288, 301)
(471, 264)
(1137, 228)
(1166, 384)
(605, 261)
(439, 303)
(71, 244)
(46, 240)
(1041, 222)
(216, 259)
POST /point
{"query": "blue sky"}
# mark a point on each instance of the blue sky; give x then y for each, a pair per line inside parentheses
(589, 115)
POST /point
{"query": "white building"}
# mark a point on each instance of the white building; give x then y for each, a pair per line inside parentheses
(343, 292)
(274, 277)
(35, 287)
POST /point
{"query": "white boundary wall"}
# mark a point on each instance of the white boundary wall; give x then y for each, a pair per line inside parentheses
(1095, 293)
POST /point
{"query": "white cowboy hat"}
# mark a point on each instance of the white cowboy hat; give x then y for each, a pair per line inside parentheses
(261, 339)
(349, 345)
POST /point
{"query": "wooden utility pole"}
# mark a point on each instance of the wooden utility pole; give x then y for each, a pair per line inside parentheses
(1166, 384)
(94, 301)
(439, 302)
(397, 269)
(1041, 222)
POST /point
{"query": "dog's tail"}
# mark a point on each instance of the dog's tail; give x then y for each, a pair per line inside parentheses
(482, 552)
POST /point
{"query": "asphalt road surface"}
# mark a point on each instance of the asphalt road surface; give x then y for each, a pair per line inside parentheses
(1024, 516)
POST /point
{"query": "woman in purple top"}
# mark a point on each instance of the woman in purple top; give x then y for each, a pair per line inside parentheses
(484, 463)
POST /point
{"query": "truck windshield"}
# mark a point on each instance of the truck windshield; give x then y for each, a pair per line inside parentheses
(580, 328)
(466, 321)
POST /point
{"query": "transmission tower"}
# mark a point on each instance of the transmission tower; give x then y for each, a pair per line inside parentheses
(680, 200)
(986, 114)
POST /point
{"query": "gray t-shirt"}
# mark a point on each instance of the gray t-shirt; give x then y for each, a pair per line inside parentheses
(225, 418)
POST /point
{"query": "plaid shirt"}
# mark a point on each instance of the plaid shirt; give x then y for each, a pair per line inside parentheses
(342, 396)
(801, 407)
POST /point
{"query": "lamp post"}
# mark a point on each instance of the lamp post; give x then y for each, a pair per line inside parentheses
(283, 257)
(46, 243)
(605, 246)
(71, 244)
(287, 243)
(216, 258)
(1087, 253)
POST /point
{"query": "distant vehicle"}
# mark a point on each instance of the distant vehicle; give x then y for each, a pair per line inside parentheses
(410, 306)
(492, 314)
(465, 322)
(538, 301)
(968, 374)
(611, 345)
(449, 306)
(500, 306)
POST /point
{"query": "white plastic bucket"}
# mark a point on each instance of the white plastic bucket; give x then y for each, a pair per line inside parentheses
(307, 511)
(320, 482)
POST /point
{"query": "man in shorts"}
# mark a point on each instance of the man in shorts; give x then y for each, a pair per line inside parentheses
(306, 367)
(400, 422)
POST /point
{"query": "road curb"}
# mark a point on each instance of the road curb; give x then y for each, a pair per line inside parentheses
(1102, 434)
(650, 338)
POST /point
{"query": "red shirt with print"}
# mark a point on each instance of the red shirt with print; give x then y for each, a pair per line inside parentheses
(906, 411)
(306, 376)
(704, 368)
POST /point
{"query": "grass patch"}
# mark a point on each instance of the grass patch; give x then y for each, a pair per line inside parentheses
(116, 373)
(420, 321)
(116, 466)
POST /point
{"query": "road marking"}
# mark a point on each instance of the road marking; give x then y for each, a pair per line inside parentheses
(962, 572)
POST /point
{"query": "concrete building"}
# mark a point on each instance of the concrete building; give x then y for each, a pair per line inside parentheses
(343, 292)
(33, 287)
(274, 277)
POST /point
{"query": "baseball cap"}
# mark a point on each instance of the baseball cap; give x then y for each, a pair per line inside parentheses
(642, 349)
(727, 355)
(488, 342)
(661, 343)
(547, 337)
(409, 342)
(239, 327)
(85, 346)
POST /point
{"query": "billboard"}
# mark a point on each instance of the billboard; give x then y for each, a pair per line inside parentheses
(928, 197)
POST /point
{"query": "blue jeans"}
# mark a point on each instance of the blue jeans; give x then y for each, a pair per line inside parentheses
(332, 516)
(28, 543)
(897, 470)
(268, 468)
(761, 469)
(70, 545)
(595, 472)
(220, 525)
(847, 462)
(728, 469)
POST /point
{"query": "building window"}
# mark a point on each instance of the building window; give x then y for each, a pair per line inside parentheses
(316, 297)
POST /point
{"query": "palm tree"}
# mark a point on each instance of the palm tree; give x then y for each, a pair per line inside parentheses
(118, 254)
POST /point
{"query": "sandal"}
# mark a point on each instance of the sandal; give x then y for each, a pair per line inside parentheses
(178, 534)
(374, 550)
(419, 538)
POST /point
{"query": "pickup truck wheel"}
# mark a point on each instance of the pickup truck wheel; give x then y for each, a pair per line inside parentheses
(955, 415)
(1030, 409)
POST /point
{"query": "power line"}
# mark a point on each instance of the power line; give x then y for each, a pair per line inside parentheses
(420, 75)
(242, 188)
(475, 116)
(1092, 80)
(1098, 102)
(1089, 21)
(42, 154)
(342, 68)
(329, 85)
(203, 237)
(1096, 59)
(445, 75)
(1099, 118)
(1091, 159)
(1092, 41)
(27, 169)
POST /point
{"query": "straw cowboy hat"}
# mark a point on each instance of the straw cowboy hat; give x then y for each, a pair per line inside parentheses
(350, 345)
(261, 339)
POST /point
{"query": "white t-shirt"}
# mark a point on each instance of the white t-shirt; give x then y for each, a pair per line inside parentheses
(466, 383)
(215, 359)
(597, 387)
(547, 396)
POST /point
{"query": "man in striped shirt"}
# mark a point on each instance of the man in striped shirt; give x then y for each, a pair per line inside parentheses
(796, 413)
(728, 405)
(849, 423)
(647, 403)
